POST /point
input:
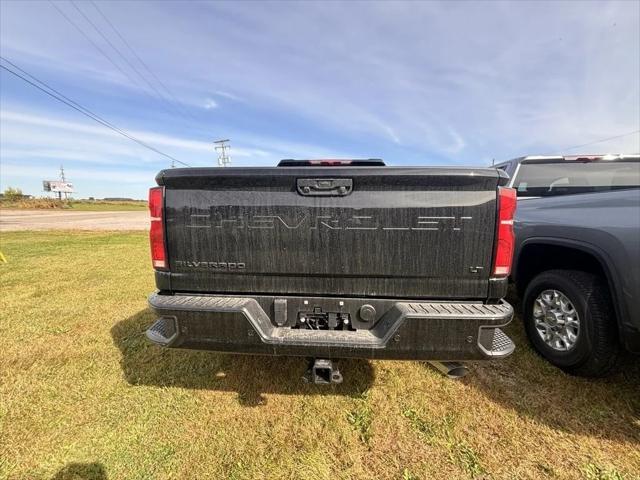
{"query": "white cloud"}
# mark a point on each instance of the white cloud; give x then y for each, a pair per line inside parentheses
(230, 96)
(92, 173)
(523, 76)
(210, 104)
(394, 77)
(38, 135)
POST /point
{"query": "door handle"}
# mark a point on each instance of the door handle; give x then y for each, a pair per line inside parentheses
(328, 187)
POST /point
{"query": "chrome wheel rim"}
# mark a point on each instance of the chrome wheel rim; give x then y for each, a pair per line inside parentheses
(556, 320)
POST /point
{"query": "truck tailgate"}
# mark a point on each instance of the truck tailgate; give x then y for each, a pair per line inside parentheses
(344, 231)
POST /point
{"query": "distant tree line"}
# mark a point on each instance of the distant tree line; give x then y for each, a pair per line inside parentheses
(12, 194)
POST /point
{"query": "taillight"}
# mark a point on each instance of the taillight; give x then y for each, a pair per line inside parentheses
(156, 233)
(505, 240)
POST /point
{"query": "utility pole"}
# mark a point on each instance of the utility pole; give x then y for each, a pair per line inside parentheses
(223, 157)
(63, 180)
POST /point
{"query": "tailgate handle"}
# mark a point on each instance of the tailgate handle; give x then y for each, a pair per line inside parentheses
(333, 187)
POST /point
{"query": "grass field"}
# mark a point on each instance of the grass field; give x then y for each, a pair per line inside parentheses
(84, 395)
(80, 205)
(100, 205)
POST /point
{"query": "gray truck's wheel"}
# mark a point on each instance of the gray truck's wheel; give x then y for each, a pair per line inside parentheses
(570, 321)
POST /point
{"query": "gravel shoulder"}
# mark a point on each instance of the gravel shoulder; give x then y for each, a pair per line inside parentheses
(18, 220)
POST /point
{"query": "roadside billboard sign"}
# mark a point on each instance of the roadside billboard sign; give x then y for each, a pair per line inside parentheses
(57, 186)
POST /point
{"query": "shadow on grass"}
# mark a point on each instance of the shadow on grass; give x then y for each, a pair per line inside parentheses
(81, 471)
(250, 376)
(602, 408)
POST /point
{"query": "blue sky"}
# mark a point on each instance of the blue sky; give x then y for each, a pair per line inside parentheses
(415, 83)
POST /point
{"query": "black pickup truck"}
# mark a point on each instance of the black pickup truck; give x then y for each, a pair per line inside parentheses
(331, 259)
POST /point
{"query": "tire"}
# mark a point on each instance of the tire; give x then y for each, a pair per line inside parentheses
(595, 351)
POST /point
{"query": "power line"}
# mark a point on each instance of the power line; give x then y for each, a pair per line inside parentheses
(87, 112)
(103, 36)
(95, 45)
(142, 62)
(83, 110)
(119, 53)
(54, 90)
(602, 140)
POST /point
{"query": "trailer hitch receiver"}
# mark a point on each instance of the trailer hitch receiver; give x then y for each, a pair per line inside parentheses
(322, 371)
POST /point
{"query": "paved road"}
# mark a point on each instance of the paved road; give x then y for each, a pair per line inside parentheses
(12, 220)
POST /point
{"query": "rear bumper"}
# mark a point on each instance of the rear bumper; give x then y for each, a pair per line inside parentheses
(408, 330)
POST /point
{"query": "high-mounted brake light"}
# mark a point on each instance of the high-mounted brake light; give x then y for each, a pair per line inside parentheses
(156, 233)
(583, 158)
(505, 237)
(332, 162)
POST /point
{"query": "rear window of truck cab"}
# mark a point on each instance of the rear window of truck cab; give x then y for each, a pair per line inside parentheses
(569, 177)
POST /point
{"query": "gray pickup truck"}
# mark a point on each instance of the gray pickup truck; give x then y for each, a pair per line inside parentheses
(329, 259)
(577, 257)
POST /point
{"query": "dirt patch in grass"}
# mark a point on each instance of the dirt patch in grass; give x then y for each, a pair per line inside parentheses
(84, 395)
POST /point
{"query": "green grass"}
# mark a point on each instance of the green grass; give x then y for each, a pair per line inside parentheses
(84, 395)
(79, 205)
(361, 418)
(99, 205)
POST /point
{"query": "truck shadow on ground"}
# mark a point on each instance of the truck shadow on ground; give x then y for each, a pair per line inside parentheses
(81, 471)
(250, 376)
(606, 408)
